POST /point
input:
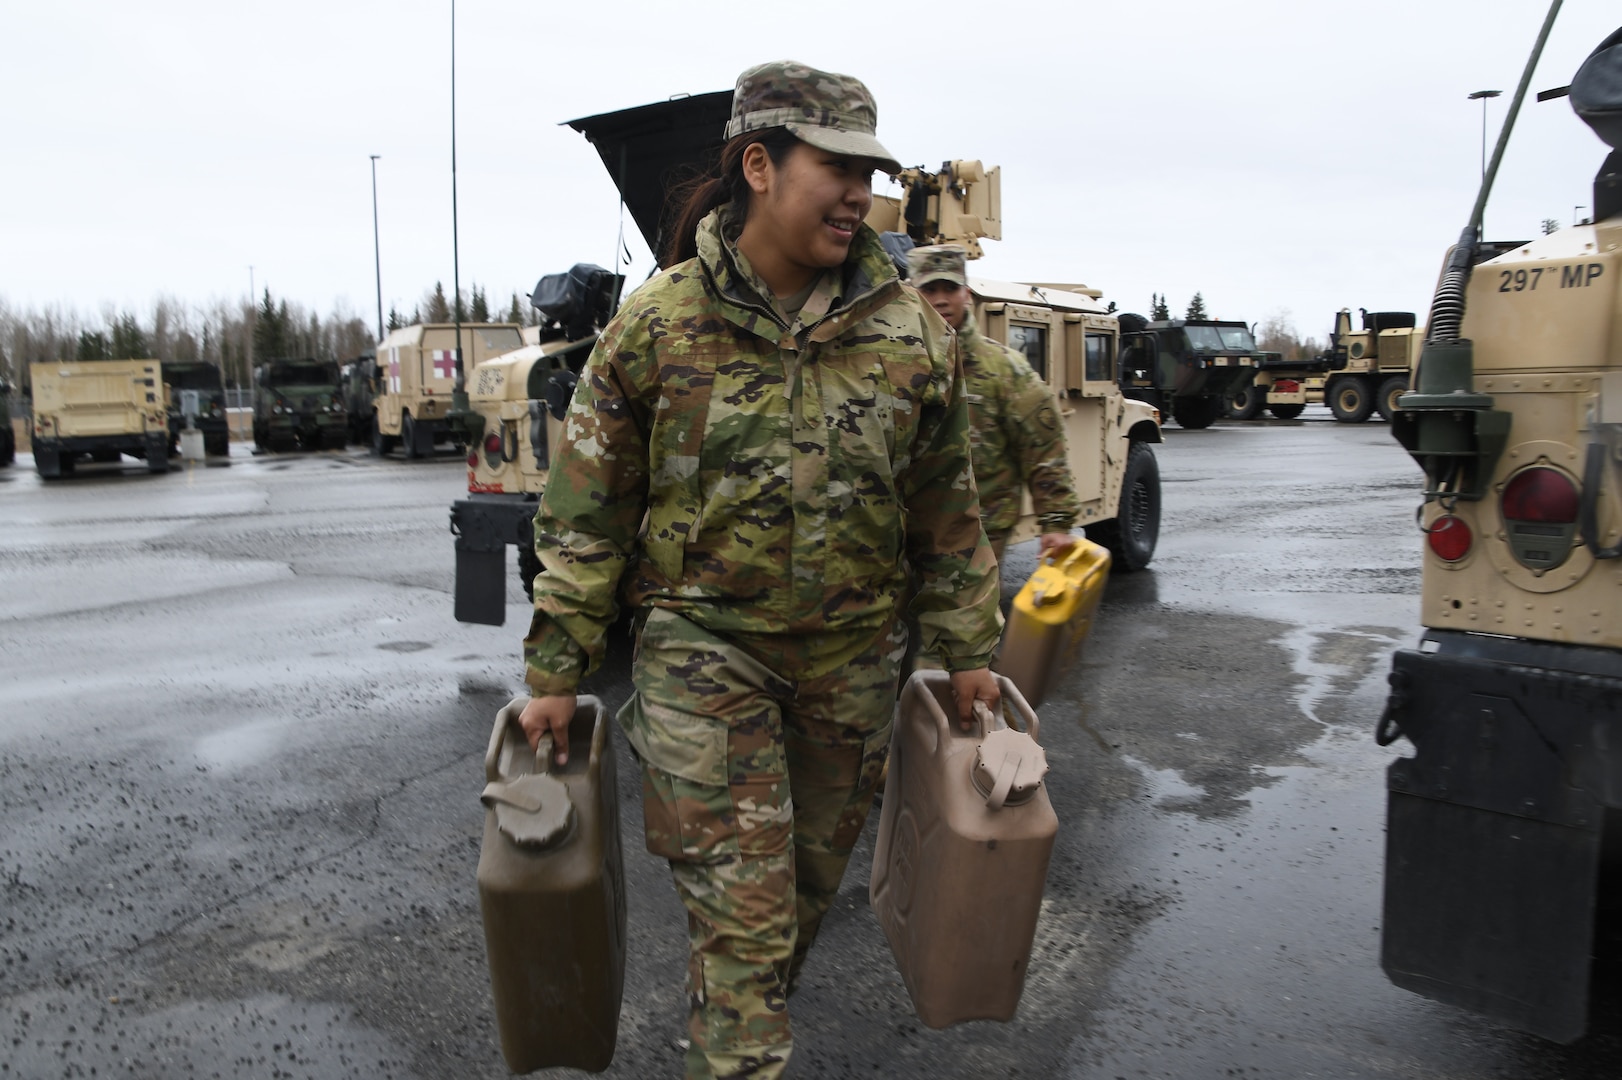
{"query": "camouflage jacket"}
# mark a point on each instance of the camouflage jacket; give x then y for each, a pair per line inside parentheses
(1017, 435)
(787, 471)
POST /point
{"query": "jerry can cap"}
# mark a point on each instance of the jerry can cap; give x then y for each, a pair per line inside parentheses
(532, 811)
(1008, 767)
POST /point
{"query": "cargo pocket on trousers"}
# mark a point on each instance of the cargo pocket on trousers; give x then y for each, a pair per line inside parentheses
(684, 781)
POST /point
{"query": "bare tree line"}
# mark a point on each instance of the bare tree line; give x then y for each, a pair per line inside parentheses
(230, 334)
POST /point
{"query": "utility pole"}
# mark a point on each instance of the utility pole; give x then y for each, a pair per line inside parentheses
(459, 389)
(377, 251)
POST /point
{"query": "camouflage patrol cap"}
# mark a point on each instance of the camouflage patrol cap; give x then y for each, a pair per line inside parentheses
(832, 112)
(938, 262)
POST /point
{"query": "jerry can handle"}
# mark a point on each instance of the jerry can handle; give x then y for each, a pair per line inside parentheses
(1011, 698)
(507, 725)
(1004, 784)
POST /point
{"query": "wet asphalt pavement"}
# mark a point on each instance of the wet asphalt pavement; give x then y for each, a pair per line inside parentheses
(241, 754)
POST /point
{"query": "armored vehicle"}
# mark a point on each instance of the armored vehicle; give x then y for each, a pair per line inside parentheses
(416, 376)
(210, 418)
(1186, 367)
(1064, 330)
(8, 434)
(100, 408)
(298, 403)
(1503, 873)
(359, 380)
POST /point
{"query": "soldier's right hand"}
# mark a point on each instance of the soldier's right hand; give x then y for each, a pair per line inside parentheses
(549, 715)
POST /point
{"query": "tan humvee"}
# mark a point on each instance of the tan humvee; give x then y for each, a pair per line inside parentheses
(99, 408)
(416, 373)
(1504, 827)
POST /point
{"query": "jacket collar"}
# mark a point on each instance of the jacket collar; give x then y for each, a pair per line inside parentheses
(843, 297)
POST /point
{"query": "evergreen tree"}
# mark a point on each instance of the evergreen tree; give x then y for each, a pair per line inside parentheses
(129, 340)
(1196, 308)
(439, 310)
(394, 319)
(1157, 307)
(270, 336)
(515, 314)
(91, 346)
(481, 306)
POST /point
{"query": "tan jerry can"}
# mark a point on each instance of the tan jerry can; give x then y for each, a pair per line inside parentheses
(552, 893)
(962, 853)
(1051, 617)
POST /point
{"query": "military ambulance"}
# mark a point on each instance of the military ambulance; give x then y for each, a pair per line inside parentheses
(102, 409)
(1503, 872)
(416, 374)
(1064, 330)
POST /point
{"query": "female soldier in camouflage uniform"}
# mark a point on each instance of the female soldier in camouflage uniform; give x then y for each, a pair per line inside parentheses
(789, 420)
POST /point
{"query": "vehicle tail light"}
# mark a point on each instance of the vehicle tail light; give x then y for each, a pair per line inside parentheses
(1449, 538)
(1539, 505)
(492, 444)
(473, 459)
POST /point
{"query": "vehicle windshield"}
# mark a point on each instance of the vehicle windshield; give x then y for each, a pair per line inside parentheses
(1220, 338)
(189, 377)
(303, 375)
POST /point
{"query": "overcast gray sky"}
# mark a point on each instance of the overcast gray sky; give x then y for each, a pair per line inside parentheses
(1277, 155)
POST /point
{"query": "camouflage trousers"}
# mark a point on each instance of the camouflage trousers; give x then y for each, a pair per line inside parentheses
(755, 788)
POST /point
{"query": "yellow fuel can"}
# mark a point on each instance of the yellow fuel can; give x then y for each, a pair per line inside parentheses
(1051, 617)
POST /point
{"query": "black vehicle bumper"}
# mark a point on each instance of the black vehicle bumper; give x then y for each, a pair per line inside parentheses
(1495, 826)
(483, 526)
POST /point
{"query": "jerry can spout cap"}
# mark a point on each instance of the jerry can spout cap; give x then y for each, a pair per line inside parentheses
(532, 811)
(1008, 767)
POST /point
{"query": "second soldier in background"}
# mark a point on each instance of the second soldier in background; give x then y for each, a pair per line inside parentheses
(1015, 428)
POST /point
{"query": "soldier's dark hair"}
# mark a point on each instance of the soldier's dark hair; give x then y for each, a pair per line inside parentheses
(725, 184)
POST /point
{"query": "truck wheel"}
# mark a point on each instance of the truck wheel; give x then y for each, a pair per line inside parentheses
(1195, 413)
(381, 443)
(1349, 399)
(1286, 412)
(217, 445)
(408, 437)
(1246, 402)
(8, 448)
(1131, 537)
(1386, 400)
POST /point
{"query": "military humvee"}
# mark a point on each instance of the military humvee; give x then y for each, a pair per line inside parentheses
(1188, 368)
(8, 434)
(298, 403)
(412, 406)
(1503, 874)
(100, 408)
(211, 419)
(1063, 329)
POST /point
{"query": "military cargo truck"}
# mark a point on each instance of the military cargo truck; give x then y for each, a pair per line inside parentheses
(416, 375)
(359, 380)
(298, 403)
(98, 408)
(1368, 369)
(1188, 368)
(1063, 329)
(8, 434)
(1503, 868)
(204, 380)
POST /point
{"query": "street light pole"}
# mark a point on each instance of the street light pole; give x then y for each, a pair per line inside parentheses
(377, 251)
(1483, 95)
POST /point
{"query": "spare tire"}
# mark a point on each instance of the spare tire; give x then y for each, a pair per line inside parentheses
(1132, 322)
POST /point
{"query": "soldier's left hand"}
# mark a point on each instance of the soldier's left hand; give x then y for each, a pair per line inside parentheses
(1056, 543)
(969, 687)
